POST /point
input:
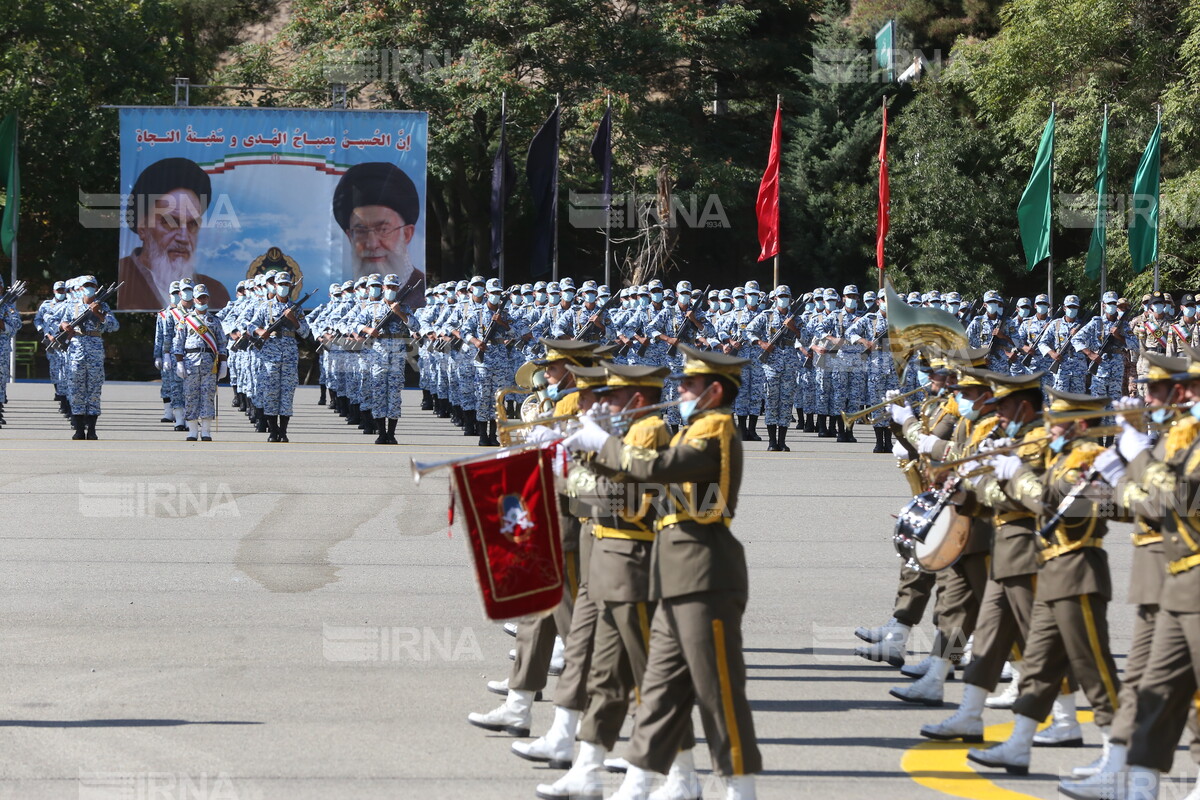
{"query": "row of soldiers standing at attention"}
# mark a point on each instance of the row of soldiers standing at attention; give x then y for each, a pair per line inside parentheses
(644, 619)
(1032, 585)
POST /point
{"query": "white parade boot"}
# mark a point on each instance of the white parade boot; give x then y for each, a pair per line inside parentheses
(582, 781)
(636, 785)
(926, 691)
(1064, 729)
(739, 787)
(511, 717)
(167, 415)
(890, 648)
(1103, 759)
(1142, 784)
(193, 430)
(967, 722)
(682, 781)
(1105, 782)
(1008, 674)
(205, 430)
(557, 746)
(1008, 697)
(919, 670)
(873, 635)
(178, 416)
(510, 628)
(556, 658)
(1013, 754)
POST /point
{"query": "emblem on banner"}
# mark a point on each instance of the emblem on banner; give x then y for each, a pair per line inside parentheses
(515, 521)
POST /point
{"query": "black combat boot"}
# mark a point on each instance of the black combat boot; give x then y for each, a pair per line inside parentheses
(879, 446)
(782, 442)
(484, 439)
(272, 428)
(381, 429)
(470, 428)
(820, 426)
(333, 398)
(321, 400)
(741, 422)
(391, 430)
(283, 423)
(263, 425)
(799, 420)
(752, 429)
(492, 440)
(355, 415)
(773, 436)
(90, 421)
(366, 421)
(426, 400)
(810, 426)
(77, 423)
(887, 440)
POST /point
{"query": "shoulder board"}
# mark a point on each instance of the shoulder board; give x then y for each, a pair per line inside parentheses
(648, 432)
(1030, 448)
(1083, 455)
(983, 428)
(1181, 435)
(710, 426)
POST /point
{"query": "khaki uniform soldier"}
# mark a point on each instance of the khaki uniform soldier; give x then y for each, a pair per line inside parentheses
(1007, 606)
(1069, 630)
(698, 576)
(1151, 330)
(961, 587)
(1100, 778)
(618, 585)
(536, 639)
(932, 424)
(1167, 490)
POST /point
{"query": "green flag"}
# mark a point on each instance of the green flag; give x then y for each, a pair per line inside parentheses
(1098, 249)
(885, 49)
(1033, 212)
(10, 179)
(1143, 228)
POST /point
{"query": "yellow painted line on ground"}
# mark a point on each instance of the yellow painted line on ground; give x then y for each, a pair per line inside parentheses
(943, 766)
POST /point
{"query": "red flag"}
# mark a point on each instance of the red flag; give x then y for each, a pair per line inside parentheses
(768, 195)
(511, 514)
(885, 196)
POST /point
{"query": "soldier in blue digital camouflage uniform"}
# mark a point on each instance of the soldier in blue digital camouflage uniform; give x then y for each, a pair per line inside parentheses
(1029, 332)
(280, 356)
(85, 354)
(165, 323)
(384, 324)
(869, 333)
(316, 323)
(782, 363)
(41, 321)
(995, 330)
(806, 381)
(847, 377)
(731, 332)
(1056, 344)
(668, 327)
(199, 355)
(824, 363)
(587, 322)
(465, 415)
(643, 348)
(10, 324)
(486, 327)
(1103, 342)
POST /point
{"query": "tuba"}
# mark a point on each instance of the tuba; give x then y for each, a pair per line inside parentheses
(531, 380)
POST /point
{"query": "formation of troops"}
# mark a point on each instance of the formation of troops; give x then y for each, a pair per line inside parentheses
(1031, 475)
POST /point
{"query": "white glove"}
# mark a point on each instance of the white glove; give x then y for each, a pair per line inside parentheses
(1005, 466)
(926, 443)
(158, 364)
(1110, 465)
(890, 393)
(590, 438)
(987, 445)
(540, 434)
(1123, 404)
(180, 370)
(223, 370)
(901, 414)
(1131, 442)
(898, 450)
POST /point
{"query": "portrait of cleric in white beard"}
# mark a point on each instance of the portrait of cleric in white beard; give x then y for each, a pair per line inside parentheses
(166, 210)
(377, 206)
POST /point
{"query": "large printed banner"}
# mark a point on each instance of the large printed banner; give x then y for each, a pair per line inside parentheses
(222, 194)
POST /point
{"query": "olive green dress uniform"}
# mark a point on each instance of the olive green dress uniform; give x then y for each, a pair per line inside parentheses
(698, 576)
(1167, 688)
(1069, 629)
(619, 577)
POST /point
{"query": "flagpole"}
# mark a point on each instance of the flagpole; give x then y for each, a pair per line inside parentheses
(1104, 252)
(12, 355)
(1157, 210)
(883, 103)
(503, 187)
(557, 143)
(608, 203)
(1050, 232)
(778, 107)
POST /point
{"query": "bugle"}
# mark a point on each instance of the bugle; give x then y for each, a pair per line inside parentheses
(1074, 416)
(850, 419)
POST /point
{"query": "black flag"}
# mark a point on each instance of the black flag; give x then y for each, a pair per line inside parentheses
(541, 168)
(602, 153)
(504, 177)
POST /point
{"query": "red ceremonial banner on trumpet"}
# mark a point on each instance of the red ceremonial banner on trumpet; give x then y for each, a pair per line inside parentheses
(511, 514)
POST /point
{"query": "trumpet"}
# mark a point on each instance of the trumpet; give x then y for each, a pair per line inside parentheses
(938, 470)
(850, 419)
(1074, 416)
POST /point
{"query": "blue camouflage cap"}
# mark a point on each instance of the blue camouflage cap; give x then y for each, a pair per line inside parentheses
(684, 286)
(783, 290)
(540, 286)
(952, 297)
(992, 296)
(656, 284)
(1042, 299)
(1071, 301)
(1110, 297)
(493, 286)
(738, 291)
(831, 294)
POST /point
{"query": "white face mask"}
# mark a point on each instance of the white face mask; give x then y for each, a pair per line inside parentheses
(1188, 311)
(1072, 313)
(202, 307)
(783, 303)
(63, 296)
(685, 300)
(478, 291)
(89, 292)
(851, 304)
(376, 292)
(1157, 308)
(187, 294)
(831, 305)
(953, 307)
(540, 297)
(390, 295)
(495, 298)
(1110, 308)
(1043, 309)
(993, 308)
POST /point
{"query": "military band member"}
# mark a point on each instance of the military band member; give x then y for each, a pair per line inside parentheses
(698, 576)
(1069, 628)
